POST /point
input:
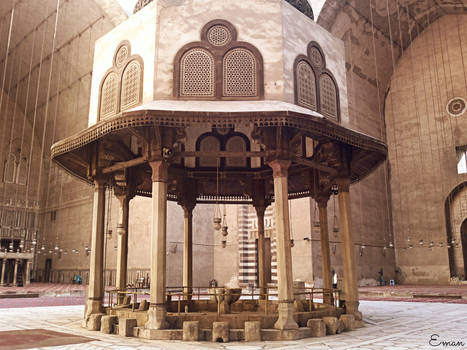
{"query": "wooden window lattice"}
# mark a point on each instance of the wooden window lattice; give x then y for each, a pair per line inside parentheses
(328, 96)
(131, 82)
(236, 144)
(306, 85)
(239, 74)
(109, 102)
(197, 73)
(209, 144)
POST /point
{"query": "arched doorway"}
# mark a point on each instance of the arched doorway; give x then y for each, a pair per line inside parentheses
(464, 245)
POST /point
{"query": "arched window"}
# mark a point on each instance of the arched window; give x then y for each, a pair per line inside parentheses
(131, 85)
(209, 144)
(197, 75)
(235, 144)
(9, 169)
(239, 69)
(306, 85)
(328, 96)
(109, 95)
(22, 171)
(218, 67)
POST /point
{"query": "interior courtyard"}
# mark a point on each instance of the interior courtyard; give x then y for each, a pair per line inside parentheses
(260, 174)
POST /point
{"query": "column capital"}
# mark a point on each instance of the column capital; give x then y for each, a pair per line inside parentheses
(160, 170)
(343, 184)
(280, 167)
(188, 209)
(99, 182)
(322, 201)
(260, 208)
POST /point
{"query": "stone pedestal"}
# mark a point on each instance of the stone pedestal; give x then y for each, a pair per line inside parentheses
(220, 332)
(125, 326)
(252, 331)
(332, 325)
(94, 322)
(348, 321)
(108, 323)
(317, 326)
(191, 330)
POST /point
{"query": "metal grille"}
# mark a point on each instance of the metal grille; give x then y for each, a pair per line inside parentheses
(306, 85)
(131, 85)
(209, 144)
(328, 96)
(121, 56)
(240, 74)
(109, 95)
(197, 73)
(316, 57)
(236, 144)
(219, 35)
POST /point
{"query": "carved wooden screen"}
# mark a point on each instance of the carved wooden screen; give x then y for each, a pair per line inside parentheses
(218, 67)
(328, 96)
(209, 144)
(197, 76)
(131, 85)
(315, 86)
(236, 144)
(109, 95)
(306, 85)
(239, 68)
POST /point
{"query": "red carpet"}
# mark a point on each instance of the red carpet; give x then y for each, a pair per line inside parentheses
(37, 338)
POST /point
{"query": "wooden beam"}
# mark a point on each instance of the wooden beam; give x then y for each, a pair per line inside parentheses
(124, 165)
(314, 164)
(220, 154)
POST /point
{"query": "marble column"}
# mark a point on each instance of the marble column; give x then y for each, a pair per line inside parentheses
(284, 252)
(188, 250)
(15, 273)
(324, 238)
(157, 309)
(261, 252)
(122, 243)
(348, 253)
(3, 272)
(27, 277)
(96, 263)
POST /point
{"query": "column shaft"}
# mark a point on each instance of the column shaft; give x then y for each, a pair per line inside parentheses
(157, 310)
(122, 244)
(27, 276)
(96, 264)
(188, 252)
(348, 254)
(284, 253)
(261, 253)
(325, 251)
(4, 272)
(15, 273)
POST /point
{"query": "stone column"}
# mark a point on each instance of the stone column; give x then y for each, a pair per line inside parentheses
(15, 273)
(3, 272)
(122, 243)
(348, 253)
(325, 251)
(27, 277)
(157, 310)
(284, 252)
(261, 252)
(188, 250)
(96, 263)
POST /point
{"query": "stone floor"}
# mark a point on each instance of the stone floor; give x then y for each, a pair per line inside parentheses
(388, 326)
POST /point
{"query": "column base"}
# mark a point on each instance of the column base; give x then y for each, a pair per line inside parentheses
(156, 317)
(285, 320)
(93, 306)
(351, 307)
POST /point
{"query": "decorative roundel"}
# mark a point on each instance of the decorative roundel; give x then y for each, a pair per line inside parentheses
(456, 106)
(316, 57)
(219, 35)
(121, 56)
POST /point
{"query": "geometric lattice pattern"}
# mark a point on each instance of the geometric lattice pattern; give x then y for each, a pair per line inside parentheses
(109, 102)
(121, 56)
(306, 86)
(239, 73)
(219, 35)
(328, 96)
(235, 144)
(197, 73)
(131, 81)
(316, 57)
